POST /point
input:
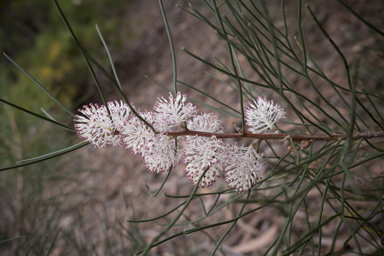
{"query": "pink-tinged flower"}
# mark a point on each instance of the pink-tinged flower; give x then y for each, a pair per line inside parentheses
(261, 115)
(173, 112)
(203, 152)
(136, 134)
(245, 167)
(206, 123)
(120, 113)
(97, 127)
(160, 153)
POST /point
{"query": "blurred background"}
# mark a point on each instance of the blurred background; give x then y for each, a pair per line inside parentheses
(78, 203)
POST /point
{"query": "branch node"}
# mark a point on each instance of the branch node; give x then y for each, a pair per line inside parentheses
(306, 144)
(239, 130)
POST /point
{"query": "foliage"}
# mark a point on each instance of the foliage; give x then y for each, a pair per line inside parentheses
(33, 34)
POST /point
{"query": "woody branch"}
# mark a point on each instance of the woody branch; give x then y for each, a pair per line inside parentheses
(280, 136)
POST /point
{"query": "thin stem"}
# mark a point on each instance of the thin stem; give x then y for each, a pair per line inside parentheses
(171, 46)
(119, 87)
(230, 50)
(82, 53)
(170, 225)
(281, 136)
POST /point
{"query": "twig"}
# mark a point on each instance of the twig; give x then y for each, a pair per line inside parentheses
(281, 136)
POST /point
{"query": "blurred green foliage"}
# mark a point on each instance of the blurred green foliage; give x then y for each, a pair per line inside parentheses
(33, 34)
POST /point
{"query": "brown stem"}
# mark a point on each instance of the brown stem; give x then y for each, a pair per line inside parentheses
(281, 136)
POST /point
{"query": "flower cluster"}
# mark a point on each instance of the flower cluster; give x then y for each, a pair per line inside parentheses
(261, 115)
(117, 125)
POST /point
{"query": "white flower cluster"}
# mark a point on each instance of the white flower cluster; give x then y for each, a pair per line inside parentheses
(118, 126)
